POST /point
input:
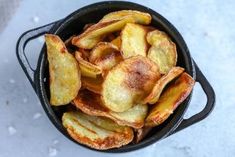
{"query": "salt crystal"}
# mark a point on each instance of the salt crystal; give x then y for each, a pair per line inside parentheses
(52, 151)
(37, 115)
(11, 130)
(55, 142)
(35, 19)
(12, 81)
(25, 100)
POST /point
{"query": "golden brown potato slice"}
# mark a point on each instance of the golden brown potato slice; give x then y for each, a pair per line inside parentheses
(163, 50)
(117, 42)
(133, 37)
(105, 55)
(141, 134)
(64, 72)
(87, 69)
(94, 34)
(171, 98)
(153, 97)
(93, 84)
(90, 103)
(96, 132)
(156, 37)
(140, 17)
(128, 83)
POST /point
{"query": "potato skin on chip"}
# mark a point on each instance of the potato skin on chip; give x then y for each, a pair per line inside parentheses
(90, 103)
(94, 34)
(140, 17)
(64, 71)
(105, 55)
(163, 51)
(171, 98)
(128, 83)
(96, 132)
(87, 69)
(153, 97)
(133, 40)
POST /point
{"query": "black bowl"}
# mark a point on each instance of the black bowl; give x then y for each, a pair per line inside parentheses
(73, 24)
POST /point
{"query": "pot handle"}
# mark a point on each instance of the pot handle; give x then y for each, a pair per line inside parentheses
(210, 94)
(20, 49)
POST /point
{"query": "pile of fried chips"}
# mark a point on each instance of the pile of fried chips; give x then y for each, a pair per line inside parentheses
(121, 78)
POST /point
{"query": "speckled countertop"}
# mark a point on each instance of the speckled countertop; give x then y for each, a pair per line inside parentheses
(208, 29)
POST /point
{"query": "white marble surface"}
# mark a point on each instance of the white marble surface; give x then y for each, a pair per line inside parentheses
(208, 28)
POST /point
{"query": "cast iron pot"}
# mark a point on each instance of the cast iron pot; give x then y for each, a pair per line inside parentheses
(73, 24)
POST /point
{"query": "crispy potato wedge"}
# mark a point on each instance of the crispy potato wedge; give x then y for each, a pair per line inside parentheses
(105, 55)
(133, 37)
(171, 98)
(65, 80)
(90, 103)
(140, 17)
(141, 134)
(153, 97)
(94, 34)
(128, 83)
(93, 84)
(117, 42)
(87, 69)
(96, 132)
(163, 50)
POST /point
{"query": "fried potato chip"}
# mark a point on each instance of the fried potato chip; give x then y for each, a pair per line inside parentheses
(171, 98)
(141, 134)
(128, 83)
(105, 55)
(163, 51)
(96, 132)
(155, 37)
(133, 37)
(87, 69)
(92, 84)
(140, 17)
(117, 42)
(153, 97)
(90, 103)
(64, 71)
(94, 34)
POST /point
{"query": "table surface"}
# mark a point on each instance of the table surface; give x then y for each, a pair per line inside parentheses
(208, 29)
